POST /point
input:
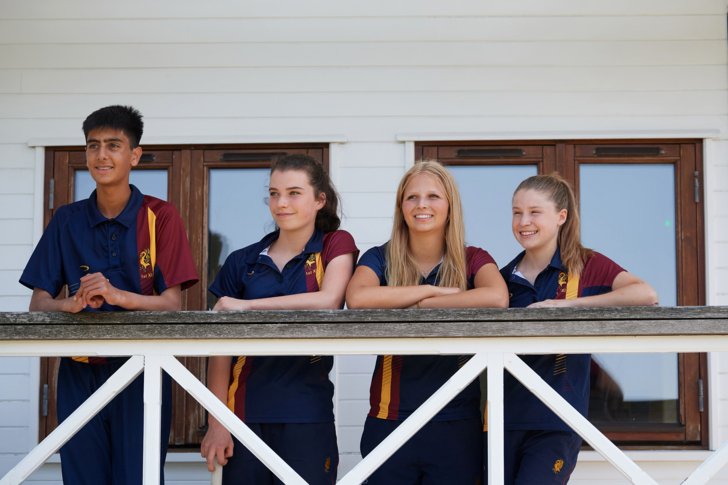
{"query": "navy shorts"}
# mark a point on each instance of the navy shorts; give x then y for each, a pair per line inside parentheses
(108, 449)
(309, 448)
(442, 452)
(543, 457)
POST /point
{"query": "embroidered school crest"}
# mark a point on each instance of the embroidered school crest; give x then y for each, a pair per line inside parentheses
(145, 264)
(311, 264)
(561, 288)
(558, 465)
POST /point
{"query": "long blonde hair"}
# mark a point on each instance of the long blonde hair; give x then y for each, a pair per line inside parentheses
(558, 190)
(401, 267)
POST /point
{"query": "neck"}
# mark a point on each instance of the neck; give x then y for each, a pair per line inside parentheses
(293, 241)
(537, 259)
(111, 201)
(427, 249)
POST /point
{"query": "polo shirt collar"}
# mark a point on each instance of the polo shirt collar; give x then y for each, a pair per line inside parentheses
(315, 244)
(127, 217)
(555, 263)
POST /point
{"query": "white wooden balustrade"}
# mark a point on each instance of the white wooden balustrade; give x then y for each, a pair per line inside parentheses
(493, 337)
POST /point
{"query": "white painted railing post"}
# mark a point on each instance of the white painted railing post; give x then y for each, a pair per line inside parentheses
(495, 416)
(152, 419)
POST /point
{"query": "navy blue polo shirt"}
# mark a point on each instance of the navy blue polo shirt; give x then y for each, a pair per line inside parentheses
(281, 389)
(400, 384)
(143, 250)
(569, 374)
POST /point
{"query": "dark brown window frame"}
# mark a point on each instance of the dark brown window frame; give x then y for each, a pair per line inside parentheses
(565, 157)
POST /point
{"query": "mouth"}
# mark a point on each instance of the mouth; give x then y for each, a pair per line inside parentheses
(527, 233)
(423, 216)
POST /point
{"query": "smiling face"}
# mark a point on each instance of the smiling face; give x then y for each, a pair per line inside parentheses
(109, 157)
(424, 204)
(292, 200)
(536, 220)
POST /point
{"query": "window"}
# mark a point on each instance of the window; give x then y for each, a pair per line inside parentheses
(645, 191)
(219, 191)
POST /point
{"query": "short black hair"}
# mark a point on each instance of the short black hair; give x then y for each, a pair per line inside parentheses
(124, 118)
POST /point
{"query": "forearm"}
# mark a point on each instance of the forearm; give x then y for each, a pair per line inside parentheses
(388, 296)
(42, 301)
(475, 298)
(639, 294)
(135, 301)
(218, 378)
(316, 300)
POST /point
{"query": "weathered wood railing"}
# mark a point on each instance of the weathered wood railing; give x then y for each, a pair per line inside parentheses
(494, 337)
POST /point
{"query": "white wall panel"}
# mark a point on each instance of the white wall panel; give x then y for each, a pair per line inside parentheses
(361, 29)
(16, 155)
(16, 181)
(16, 231)
(16, 206)
(432, 104)
(307, 79)
(70, 9)
(14, 303)
(9, 285)
(561, 53)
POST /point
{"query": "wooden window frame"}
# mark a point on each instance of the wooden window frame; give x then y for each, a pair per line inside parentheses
(565, 157)
(187, 187)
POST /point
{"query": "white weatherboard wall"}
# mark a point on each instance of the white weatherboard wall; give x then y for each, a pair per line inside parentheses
(367, 73)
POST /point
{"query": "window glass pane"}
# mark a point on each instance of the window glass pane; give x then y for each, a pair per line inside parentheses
(149, 182)
(486, 192)
(238, 213)
(628, 214)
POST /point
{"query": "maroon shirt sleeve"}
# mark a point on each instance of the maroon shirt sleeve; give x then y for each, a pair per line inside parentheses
(174, 258)
(337, 243)
(599, 270)
(475, 259)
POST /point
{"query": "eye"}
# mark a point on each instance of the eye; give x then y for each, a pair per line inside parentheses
(295, 192)
(272, 193)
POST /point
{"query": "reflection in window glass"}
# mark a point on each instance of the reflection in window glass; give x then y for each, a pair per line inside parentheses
(486, 192)
(238, 213)
(628, 214)
(149, 182)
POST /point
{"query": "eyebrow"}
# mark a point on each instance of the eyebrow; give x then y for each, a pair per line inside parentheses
(105, 140)
(287, 188)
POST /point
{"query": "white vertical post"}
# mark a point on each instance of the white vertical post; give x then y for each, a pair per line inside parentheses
(495, 415)
(152, 419)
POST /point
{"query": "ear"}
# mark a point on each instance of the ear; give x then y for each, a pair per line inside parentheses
(136, 155)
(320, 201)
(563, 215)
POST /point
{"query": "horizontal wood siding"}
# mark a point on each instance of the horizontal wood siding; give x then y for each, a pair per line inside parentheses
(367, 71)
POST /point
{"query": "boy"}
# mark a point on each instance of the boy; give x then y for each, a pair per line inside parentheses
(116, 250)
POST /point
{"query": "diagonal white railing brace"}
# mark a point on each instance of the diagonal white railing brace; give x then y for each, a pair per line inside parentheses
(53, 442)
(575, 420)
